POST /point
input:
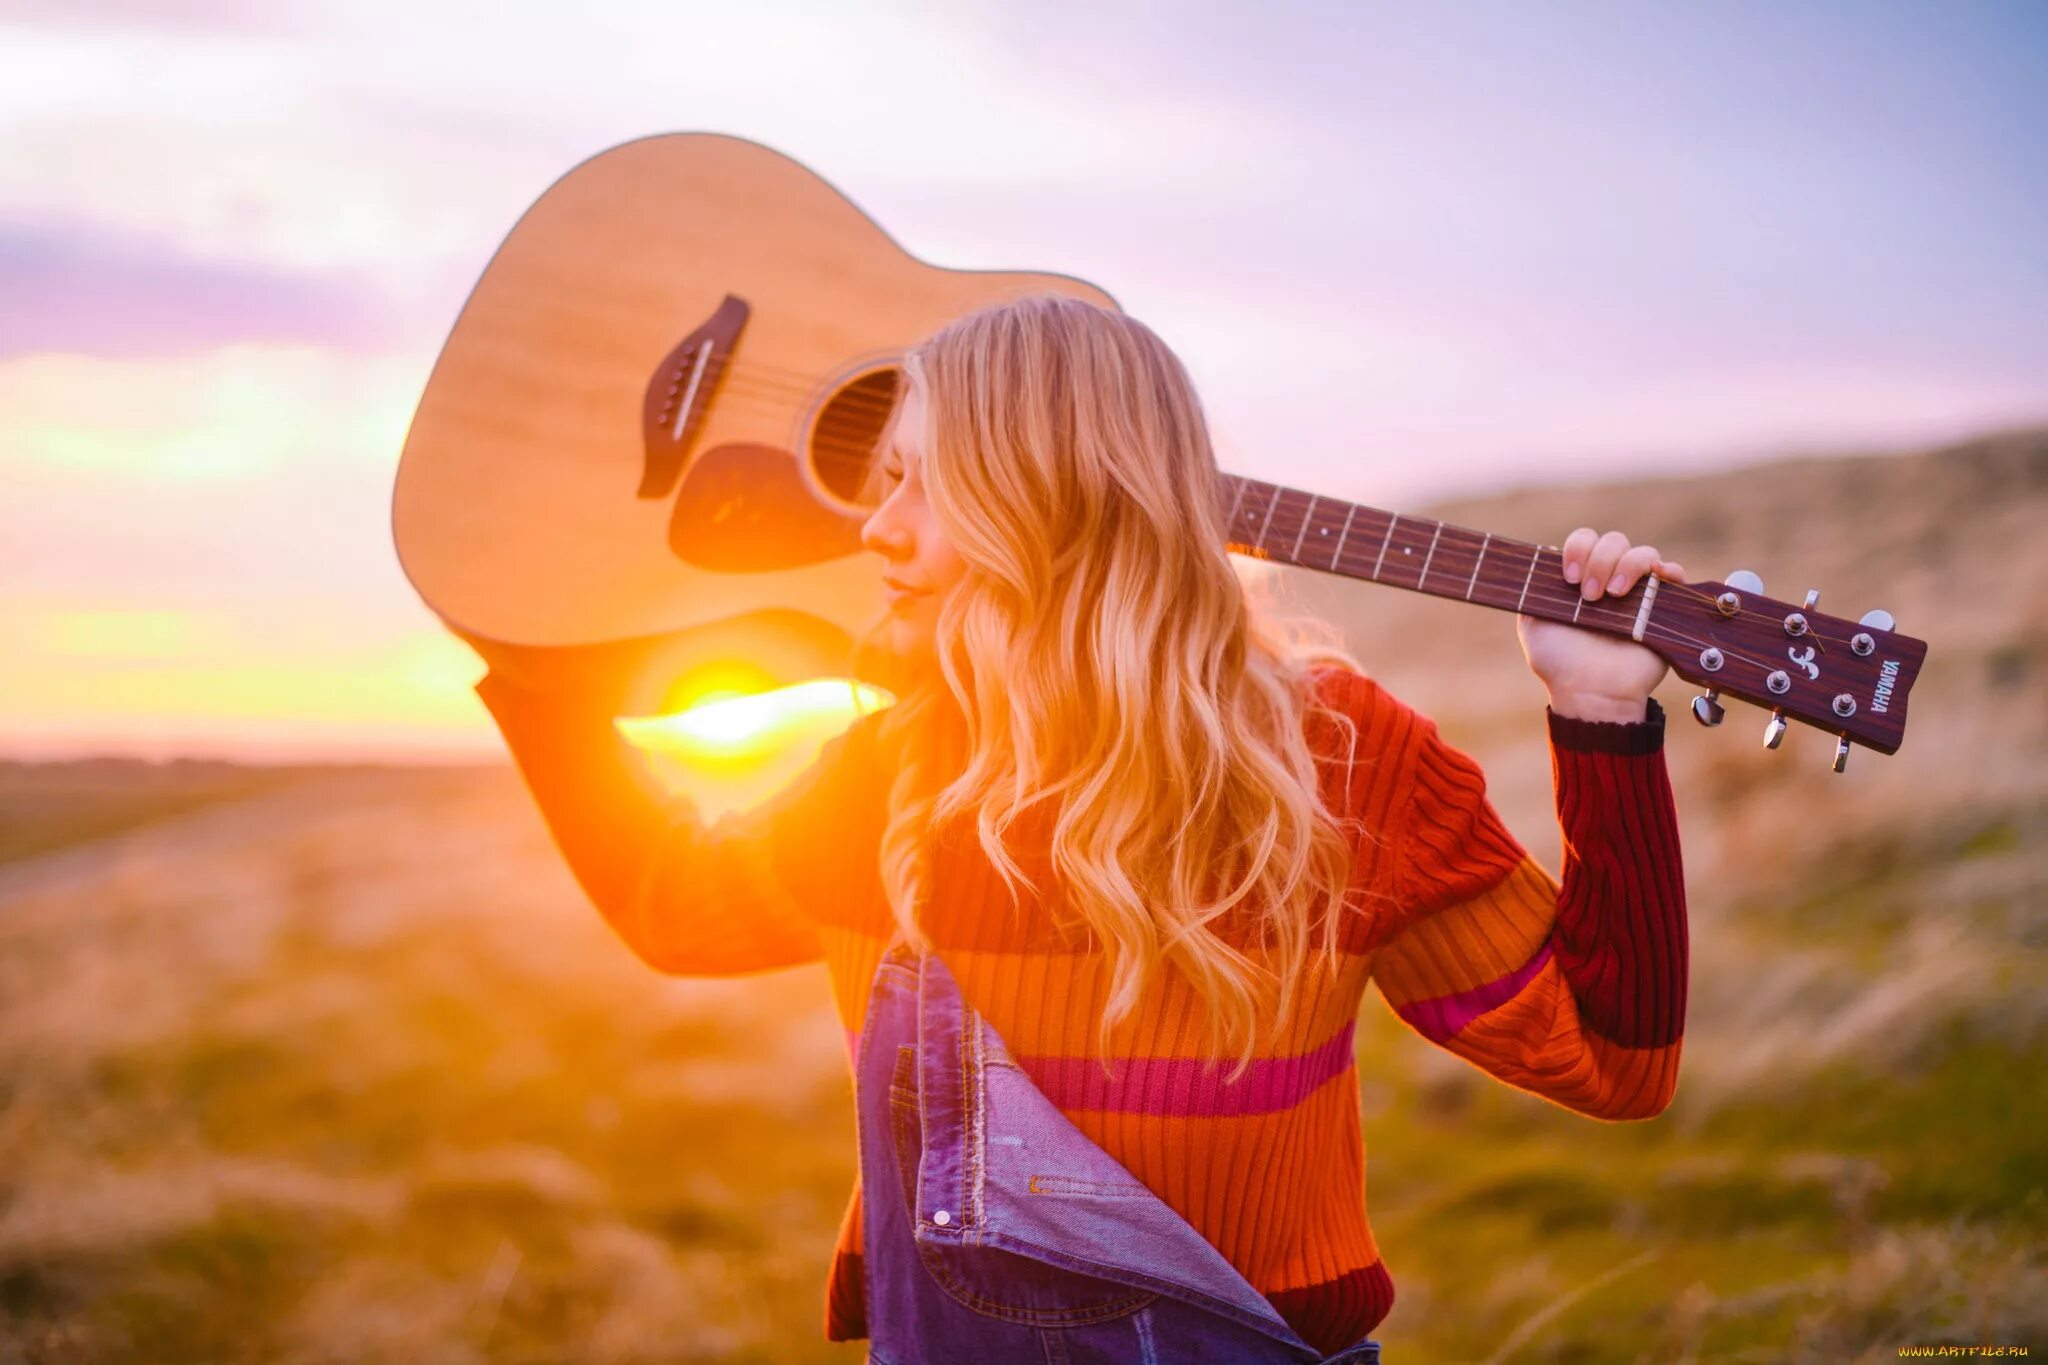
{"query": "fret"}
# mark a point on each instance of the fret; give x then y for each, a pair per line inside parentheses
(1285, 526)
(1241, 529)
(1476, 563)
(1306, 518)
(1343, 535)
(1384, 542)
(1261, 541)
(1534, 555)
(1231, 520)
(1429, 556)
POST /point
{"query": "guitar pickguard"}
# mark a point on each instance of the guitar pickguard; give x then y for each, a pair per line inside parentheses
(747, 509)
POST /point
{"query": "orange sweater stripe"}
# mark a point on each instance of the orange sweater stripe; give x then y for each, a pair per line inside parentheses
(1572, 988)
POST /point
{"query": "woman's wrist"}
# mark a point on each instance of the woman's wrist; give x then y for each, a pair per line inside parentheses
(1596, 734)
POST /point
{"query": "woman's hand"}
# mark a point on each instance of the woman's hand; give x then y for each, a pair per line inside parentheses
(1589, 674)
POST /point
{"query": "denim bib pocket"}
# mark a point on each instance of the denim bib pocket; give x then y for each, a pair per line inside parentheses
(987, 1279)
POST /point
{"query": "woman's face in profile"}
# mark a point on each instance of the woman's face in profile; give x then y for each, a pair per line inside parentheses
(920, 563)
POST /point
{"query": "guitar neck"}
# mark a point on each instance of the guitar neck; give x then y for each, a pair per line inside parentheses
(1402, 550)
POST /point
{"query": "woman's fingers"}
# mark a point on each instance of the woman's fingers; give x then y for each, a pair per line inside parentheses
(1602, 564)
(1573, 552)
(1607, 565)
(1635, 562)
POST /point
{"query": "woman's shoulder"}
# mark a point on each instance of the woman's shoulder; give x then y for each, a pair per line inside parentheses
(1377, 725)
(1354, 693)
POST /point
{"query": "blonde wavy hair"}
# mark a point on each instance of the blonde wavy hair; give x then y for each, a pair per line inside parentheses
(1101, 653)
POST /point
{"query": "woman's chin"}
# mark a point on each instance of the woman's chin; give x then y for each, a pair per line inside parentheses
(910, 643)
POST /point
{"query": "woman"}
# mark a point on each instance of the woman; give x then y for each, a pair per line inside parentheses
(1102, 891)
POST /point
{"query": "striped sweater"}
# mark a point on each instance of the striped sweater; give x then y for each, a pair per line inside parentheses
(1572, 988)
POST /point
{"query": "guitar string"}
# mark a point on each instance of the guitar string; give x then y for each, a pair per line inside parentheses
(1814, 632)
(1476, 574)
(1453, 553)
(878, 405)
(1696, 593)
(1617, 621)
(884, 405)
(1464, 560)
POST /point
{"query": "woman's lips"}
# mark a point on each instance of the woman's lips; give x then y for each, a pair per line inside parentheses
(898, 596)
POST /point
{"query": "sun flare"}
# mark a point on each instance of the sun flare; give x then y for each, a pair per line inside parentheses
(728, 748)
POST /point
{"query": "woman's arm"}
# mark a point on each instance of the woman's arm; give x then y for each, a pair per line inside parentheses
(1573, 988)
(690, 898)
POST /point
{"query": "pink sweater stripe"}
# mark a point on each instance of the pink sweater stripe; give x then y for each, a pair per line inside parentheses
(1189, 1086)
(1439, 1017)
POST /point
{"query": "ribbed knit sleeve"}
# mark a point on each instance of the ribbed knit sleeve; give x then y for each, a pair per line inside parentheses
(1573, 987)
(689, 898)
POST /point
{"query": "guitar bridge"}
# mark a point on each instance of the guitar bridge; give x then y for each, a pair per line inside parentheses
(679, 394)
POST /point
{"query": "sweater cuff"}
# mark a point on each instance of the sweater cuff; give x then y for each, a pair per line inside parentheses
(1645, 736)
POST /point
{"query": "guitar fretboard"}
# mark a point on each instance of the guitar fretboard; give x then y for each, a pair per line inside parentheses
(1403, 550)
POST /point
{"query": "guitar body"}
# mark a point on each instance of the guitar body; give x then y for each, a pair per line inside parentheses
(539, 507)
(640, 455)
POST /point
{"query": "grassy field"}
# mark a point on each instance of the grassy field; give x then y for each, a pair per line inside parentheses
(316, 1065)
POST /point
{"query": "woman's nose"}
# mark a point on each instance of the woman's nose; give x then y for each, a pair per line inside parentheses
(881, 534)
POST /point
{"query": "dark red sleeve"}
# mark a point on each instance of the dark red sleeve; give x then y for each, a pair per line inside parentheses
(1621, 930)
(1573, 986)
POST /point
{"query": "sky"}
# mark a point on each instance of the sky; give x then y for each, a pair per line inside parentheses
(1406, 250)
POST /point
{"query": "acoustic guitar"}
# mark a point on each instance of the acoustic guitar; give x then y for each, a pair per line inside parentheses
(648, 428)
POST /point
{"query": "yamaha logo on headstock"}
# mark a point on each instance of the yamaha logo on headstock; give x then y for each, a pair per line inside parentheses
(1885, 678)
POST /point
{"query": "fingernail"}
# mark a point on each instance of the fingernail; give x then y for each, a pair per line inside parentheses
(1571, 573)
(1616, 583)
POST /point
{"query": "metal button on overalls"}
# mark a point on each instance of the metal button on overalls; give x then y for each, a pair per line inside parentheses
(994, 1230)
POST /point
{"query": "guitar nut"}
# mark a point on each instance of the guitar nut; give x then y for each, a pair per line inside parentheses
(1780, 682)
(1729, 603)
(1710, 659)
(1845, 705)
(1862, 643)
(1795, 624)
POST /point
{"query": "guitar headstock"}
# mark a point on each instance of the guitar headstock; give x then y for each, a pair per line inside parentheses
(1851, 678)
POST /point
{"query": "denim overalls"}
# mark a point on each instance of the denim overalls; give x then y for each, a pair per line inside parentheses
(995, 1231)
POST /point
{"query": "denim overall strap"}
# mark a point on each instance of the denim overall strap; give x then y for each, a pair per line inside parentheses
(997, 1229)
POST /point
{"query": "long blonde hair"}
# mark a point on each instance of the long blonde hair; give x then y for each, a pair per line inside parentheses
(1102, 654)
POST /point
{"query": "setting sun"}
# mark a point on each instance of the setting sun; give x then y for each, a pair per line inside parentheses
(727, 747)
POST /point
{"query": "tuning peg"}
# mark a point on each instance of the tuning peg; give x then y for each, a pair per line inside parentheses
(1707, 708)
(1774, 729)
(1877, 618)
(1740, 583)
(1841, 753)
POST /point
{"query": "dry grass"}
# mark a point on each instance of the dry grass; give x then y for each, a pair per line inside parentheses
(336, 1065)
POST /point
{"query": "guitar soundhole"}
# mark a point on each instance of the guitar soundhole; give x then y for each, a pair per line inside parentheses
(842, 442)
